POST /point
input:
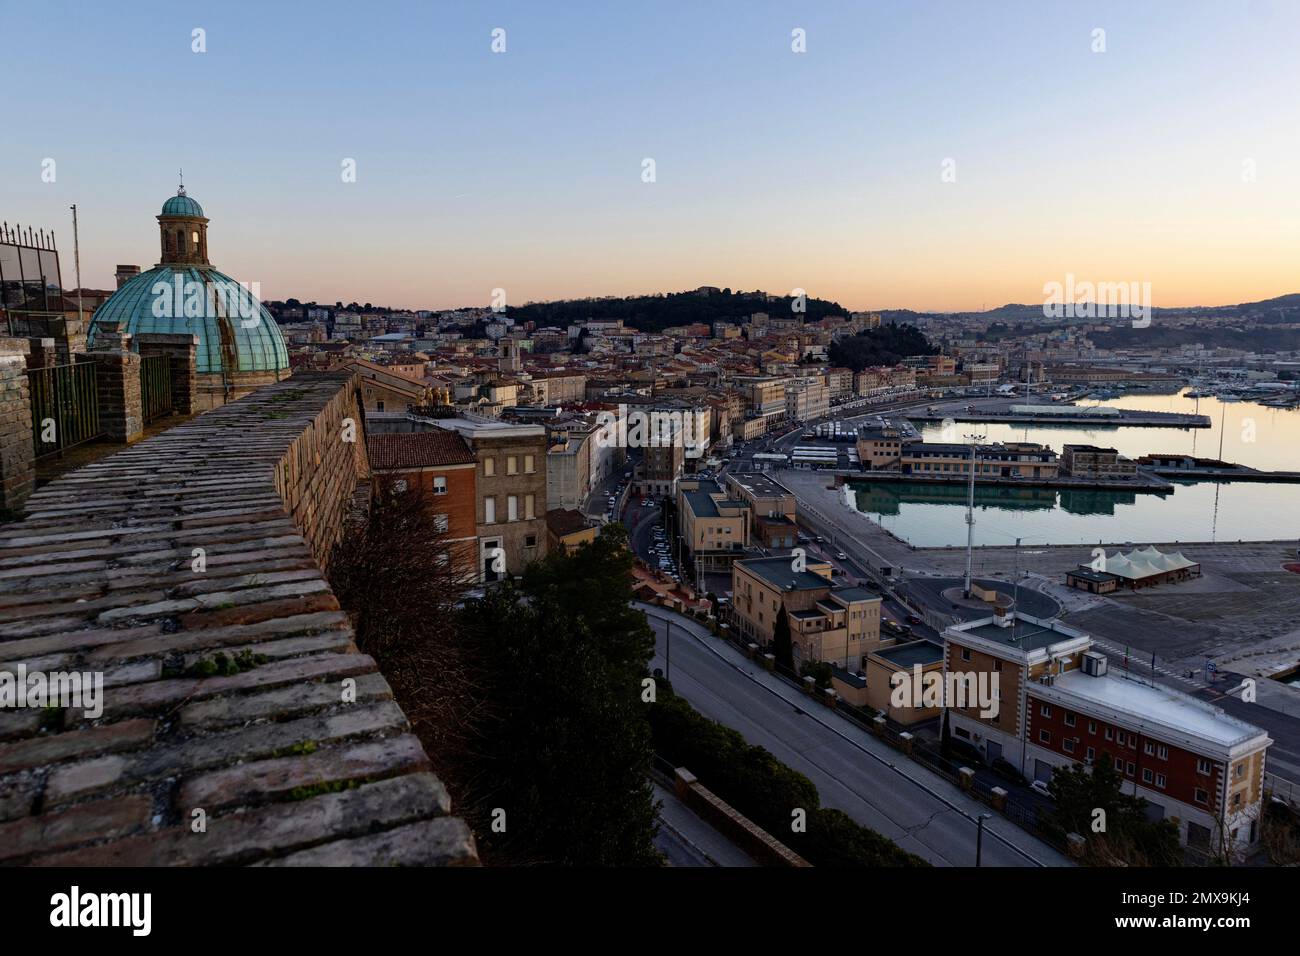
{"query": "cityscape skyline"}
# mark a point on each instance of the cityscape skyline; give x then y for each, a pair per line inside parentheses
(478, 170)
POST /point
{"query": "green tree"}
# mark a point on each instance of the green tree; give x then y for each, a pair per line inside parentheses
(1125, 836)
(568, 756)
(782, 645)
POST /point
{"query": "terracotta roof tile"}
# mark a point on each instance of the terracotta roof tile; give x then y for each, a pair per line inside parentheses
(418, 450)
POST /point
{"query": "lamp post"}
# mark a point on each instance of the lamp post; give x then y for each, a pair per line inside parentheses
(979, 836)
(970, 513)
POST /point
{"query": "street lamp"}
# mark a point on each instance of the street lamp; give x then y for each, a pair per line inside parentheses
(970, 512)
(979, 836)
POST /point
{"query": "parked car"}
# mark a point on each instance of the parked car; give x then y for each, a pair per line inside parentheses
(1040, 786)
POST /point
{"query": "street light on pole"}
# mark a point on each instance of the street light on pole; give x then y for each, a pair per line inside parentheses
(979, 836)
(970, 513)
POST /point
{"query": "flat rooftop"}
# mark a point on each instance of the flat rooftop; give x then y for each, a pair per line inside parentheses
(916, 652)
(1145, 705)
(779, 573)
(761, 486)
(1025, 633)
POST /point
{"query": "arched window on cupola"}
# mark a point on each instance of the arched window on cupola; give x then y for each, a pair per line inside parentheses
(180, 240)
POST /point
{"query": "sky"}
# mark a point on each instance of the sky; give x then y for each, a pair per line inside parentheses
(928, 155)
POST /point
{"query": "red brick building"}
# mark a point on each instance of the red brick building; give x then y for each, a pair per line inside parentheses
(440, 467)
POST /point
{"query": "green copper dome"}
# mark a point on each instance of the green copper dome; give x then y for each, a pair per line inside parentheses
(202, 302)
(182, 205)
(183, 294)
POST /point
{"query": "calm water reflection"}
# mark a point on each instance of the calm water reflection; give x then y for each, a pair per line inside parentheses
(1251, 434)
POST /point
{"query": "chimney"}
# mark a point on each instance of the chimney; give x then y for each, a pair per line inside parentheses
(125, 274)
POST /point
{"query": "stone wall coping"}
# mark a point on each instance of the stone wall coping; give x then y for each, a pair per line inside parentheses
(141, 568)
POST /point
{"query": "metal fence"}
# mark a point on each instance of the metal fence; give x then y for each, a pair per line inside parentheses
(65, 406)
(155, 386)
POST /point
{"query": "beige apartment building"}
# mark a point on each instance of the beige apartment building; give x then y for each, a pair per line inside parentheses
(880, 448)
(999, 460)
(806, 399)
(840, 625)
(511, 492)
(1089, 461)
(713, 527)
(765, 497)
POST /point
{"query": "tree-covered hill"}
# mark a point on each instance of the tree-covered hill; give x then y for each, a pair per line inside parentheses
(653, 313)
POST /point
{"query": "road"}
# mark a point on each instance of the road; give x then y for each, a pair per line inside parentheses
(853, 771)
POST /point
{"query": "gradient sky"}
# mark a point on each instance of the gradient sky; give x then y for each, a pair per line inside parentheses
(775, 170)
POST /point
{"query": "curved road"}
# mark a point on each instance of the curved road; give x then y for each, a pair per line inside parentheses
(874, 784)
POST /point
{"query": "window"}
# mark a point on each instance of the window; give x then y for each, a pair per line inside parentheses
(1131, 768)
(440, 522)
(1236, 799)
(530, 541)
(512, 465)
(1239, 771)
(1068, 745)
(489, 467)
(1069, 720)
(1110, 734)
(1091, 754)
(489, 510)
(997, 665)
(528, 465)
(1046, 711)
(528, 508)
(1044, 737)
(379, 406)
(1202, 766)
(1162, 752)
(439, 485)
(512, 508)
(965, 654)
(1148, 776)
(1150, 748)
(399, 485)
(1202, 796)
(1092, 726)
(1160, 780)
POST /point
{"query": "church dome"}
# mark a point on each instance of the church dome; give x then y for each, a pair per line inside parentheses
(236, 332)
(182, 205)
(183, 294)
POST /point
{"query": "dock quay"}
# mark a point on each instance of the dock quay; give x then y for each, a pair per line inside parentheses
(1125, 418)
(1143, 482)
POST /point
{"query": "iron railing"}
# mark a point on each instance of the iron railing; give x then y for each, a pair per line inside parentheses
(155, 386)
(65, 406)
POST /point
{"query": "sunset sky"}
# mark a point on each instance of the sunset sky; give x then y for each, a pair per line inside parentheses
(523, 170)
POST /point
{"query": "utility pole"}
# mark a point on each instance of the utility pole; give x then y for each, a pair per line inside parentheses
(76, 261)
(668, 656)
(970, 514)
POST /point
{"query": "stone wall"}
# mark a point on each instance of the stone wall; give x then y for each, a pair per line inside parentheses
(159, 568)
(17, 451)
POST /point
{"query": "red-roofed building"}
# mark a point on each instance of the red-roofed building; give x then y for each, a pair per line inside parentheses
(440, 467)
